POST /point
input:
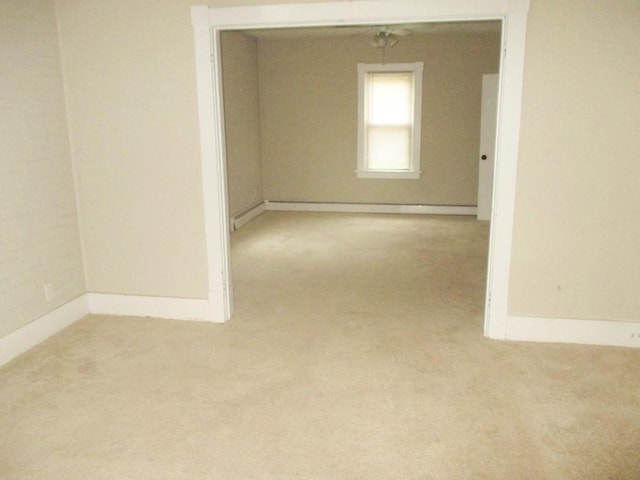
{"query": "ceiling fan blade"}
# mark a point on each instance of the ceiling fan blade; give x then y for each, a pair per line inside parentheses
(400, 31)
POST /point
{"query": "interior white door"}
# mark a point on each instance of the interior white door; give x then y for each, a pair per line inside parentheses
(488, 118)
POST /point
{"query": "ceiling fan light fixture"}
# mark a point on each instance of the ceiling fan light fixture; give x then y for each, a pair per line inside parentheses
(391, 40)
(378, 41)
(384, 39)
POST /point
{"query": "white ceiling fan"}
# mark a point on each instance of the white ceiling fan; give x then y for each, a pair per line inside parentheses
(387, 36)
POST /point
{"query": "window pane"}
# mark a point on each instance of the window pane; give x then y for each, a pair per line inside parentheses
(388, 148)
(390, 99)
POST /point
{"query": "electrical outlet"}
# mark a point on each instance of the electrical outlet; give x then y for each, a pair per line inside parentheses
(635, 336)
(48, 292)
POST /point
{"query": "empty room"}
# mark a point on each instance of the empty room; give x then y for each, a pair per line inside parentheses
(291, 125)
(209, 269)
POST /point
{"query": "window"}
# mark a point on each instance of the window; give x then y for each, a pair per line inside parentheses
(389, 113)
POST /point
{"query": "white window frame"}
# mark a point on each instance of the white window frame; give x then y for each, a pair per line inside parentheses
(363, 170)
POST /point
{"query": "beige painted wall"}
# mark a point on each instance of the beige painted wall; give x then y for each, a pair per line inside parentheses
(575, 252)
(242, 128)
(308, 109)
(130, 74)
(39, 235)
(132, 107)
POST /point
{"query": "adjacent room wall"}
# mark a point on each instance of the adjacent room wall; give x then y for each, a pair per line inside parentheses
(132, 104)
(133, 117)
(242, 129)
(39, 237)
(308, 117)
(575, 250)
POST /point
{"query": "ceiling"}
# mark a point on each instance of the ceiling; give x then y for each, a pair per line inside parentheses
(353, 30)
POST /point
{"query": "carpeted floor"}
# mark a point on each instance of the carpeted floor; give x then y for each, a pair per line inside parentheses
(356, 352)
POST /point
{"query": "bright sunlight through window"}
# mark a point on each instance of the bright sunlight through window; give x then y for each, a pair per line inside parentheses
(389, 110)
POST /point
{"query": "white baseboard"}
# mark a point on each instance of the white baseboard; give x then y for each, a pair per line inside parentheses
(30, 335)
(141, 306)
(518, 328)
(27, 337)
(372, 208)
(563, 330)
(247, 215)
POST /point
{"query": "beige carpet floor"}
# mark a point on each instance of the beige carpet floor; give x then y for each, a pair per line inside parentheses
(356, 352)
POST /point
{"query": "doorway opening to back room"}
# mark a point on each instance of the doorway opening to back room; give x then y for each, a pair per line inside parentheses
(209, 22)
(291, 128)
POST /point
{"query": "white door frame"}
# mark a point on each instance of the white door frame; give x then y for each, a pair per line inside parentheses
(209, 21)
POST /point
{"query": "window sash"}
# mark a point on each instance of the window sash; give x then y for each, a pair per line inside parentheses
(389, 98)
(389, 120)
(389, 147)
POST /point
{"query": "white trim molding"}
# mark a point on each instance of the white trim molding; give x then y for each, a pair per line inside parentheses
(143, 306)
(518, 328)
(36, 332)
(565, 330)
(247, 215)
(25, 338)
(213, 163)
(208, 22)
(372, 208)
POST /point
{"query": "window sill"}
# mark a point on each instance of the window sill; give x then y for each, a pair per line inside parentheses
(388, 174)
